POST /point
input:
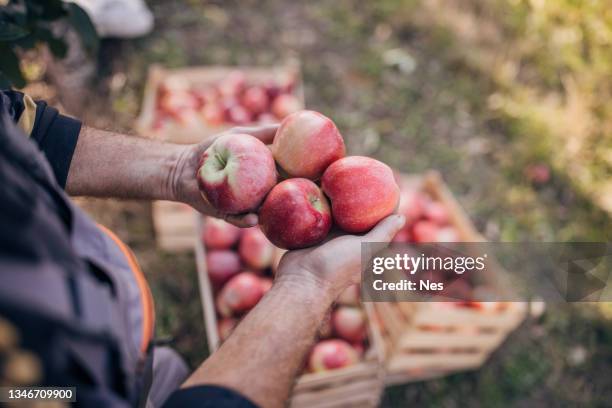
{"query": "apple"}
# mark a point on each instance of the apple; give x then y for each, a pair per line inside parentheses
(240, 294)
(218, 234)
(447, 234)
(285, 104)
(255, 99)
(175, 103)
(349, 323)
(213, 114)
(332, 354)
(306, 143)
(295, 214)
(235, 173)
(412, 204)
(362, 191)
(349, 296)
(266, 284)
(232, 84)
(225, 327)
(221, 266)
(238, 115)
(255, 250)
(402, 236)
(436, 212)
(425, 231)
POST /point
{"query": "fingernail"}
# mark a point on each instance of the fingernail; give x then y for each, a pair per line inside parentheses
(401, 219)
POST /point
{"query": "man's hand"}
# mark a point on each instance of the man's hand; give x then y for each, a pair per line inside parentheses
(336, 264)
(184, 185)
(107, 164)
(264, 354)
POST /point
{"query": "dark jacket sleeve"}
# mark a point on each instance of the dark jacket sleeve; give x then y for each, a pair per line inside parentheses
(207, 396)
(55, 134)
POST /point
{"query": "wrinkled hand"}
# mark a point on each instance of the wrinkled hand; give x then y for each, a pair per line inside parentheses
(185, 185)
(336, 264)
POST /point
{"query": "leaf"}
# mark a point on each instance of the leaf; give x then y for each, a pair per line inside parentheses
(9, 66)
(11, 32)
(79, 19)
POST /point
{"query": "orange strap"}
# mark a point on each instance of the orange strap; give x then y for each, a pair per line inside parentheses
(145, 292)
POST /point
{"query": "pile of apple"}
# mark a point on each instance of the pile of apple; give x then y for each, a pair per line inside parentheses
(241, 264)
(318, 185)
(231, 101)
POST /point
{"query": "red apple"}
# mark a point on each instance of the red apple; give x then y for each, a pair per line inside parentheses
(412, 204)
(362, 191)
(349, 323)
(349, 296)
(238, 115)
(225, 327)
(240, 294)
(213, 114)
(403, 235)
(425, 231)
(285, 104)
(174, 103)
(232, 84)
(295, 214)
(255, 99)
(332, 354)
(236, 172)
(306, 143)
(436, 212)
(447, 234)
(218, 234)
(255, 250)
(221, 266)
(266, 284)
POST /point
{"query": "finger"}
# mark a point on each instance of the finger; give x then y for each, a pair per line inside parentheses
(242, 220)
(385, 230)
(264, 133)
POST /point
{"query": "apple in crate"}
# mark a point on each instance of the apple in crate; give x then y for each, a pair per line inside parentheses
(240, 294)
(436, 212)
(306, 143)
(362, 191)
(332, 354)
(412, 204)
(221, 265)
(235, 173)
(232, 84)
(218, 234)
(255, 250)
(255, 100)
(238, 115)
(285, 104)
(213, 114)
(349, 323)
(295, 214)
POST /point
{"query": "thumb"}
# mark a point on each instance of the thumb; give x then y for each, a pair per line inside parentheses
(385, 230)
(242, 220)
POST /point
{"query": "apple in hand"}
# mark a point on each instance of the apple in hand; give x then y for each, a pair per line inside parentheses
(285, 104)
(295, 214)
(240, 294)
(255, 250)
(235, 173)
(331, 354)
(306, 143)
(362, 191)
(349, 323)
(218, 234)
(221, 266)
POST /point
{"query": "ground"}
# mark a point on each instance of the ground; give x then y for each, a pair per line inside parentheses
(410, 83)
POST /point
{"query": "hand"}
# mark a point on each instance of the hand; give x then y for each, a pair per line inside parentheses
(184, 185)
(336, 264)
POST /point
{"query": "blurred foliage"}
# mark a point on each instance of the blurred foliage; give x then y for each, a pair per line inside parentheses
(25, 24)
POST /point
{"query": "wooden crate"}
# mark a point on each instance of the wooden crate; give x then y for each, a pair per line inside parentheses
(201, 76)
(359, 385)
(175, 225)
(425, 340)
